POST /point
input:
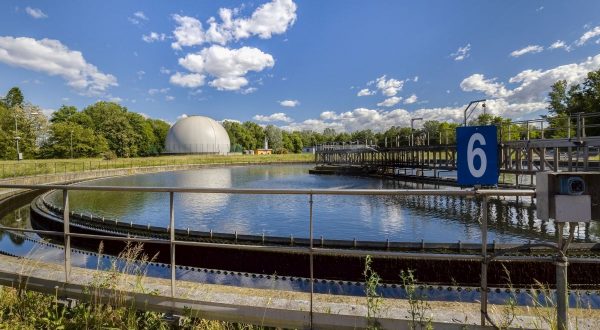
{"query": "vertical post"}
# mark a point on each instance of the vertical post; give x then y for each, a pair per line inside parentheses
(172, 239)
(312, 280)
(67, 237)
(484, 220)
(562, 299)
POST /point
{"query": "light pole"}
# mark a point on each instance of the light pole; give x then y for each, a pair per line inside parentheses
(412, 124)
(469, 105)
(17, 138)
(71, 144)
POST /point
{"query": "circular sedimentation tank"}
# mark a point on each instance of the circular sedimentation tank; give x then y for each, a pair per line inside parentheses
(197, 135)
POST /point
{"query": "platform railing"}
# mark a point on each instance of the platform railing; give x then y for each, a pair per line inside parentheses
(482, 195)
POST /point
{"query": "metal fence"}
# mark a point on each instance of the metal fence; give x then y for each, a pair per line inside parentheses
(482, 195)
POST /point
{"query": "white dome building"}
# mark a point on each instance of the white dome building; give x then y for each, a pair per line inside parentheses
(197, 134)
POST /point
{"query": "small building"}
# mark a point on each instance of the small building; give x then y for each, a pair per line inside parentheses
(309, 150)
(265, 150)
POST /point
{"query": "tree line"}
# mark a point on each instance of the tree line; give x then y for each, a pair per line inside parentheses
(109, 129)
(101, 129)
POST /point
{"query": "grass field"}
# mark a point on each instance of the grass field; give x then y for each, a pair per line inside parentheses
(28, 167)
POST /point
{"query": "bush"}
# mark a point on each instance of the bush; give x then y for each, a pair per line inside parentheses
(109, 155)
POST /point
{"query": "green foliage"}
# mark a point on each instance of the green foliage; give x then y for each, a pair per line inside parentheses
(372, 280)
(14, 98)
(567, 101)
(419, 308)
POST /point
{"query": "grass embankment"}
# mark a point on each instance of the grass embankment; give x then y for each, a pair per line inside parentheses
(28, 167)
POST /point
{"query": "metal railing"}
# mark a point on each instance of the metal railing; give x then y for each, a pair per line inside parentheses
(482, 195)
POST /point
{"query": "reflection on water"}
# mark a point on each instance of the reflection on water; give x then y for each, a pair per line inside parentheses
(397, 218)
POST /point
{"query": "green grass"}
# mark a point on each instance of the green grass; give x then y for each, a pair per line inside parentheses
(29, 167)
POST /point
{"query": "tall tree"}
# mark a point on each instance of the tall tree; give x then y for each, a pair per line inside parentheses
(14, 97)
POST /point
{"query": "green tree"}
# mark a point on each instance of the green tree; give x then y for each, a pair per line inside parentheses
(66, 137)
(275, 137)
(14, 98)
(256, 133)
(111, 121)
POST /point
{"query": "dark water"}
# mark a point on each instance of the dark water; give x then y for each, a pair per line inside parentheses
(432, 219)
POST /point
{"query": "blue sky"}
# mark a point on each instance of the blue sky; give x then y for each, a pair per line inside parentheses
(298, 64)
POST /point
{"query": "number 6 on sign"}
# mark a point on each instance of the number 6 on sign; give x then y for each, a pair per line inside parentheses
(477, 152)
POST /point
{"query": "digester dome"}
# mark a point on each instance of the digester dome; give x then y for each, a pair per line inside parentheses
(197, 134)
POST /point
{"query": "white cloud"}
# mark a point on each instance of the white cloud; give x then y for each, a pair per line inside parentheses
(164, 70)
(381, 120)
(188, 33)
(271, 18)
(137, 18)
(289, 103)
(389, 87)
(411, 99)
(461, 53)
(416, 79)
(529, 49)
(35, 12)
(191, 80)
(588, 35)
(154, 36)
(248, 90)
(279, 116)
(490, 87)
(114, 99)
(169, 98)
(389, 102)
(140, 15)
(365, 92)
(53, 58)
(559, 44)
(154, 91)
(227, 66)
(140, 74)
(532, 85)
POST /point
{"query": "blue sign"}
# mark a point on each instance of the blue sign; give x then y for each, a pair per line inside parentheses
(477, 152)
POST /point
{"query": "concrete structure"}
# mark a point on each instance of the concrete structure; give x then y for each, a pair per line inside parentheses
(197, 134)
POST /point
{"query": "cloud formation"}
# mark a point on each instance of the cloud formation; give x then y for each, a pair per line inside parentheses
(389, 87)
(35, 12)
(227, 66)
(529, 49)
(289, 103)
(588, 35)
(365, 92)
(271, 18)
(154, 36)
(411, 99)
(191, 80)
(461, 53)
(390, 102)
(532, 85)
(279, 116)
(138, 18)
(55, 59)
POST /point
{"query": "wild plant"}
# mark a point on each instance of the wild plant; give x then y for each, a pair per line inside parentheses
(419, 308)
(372, 281)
